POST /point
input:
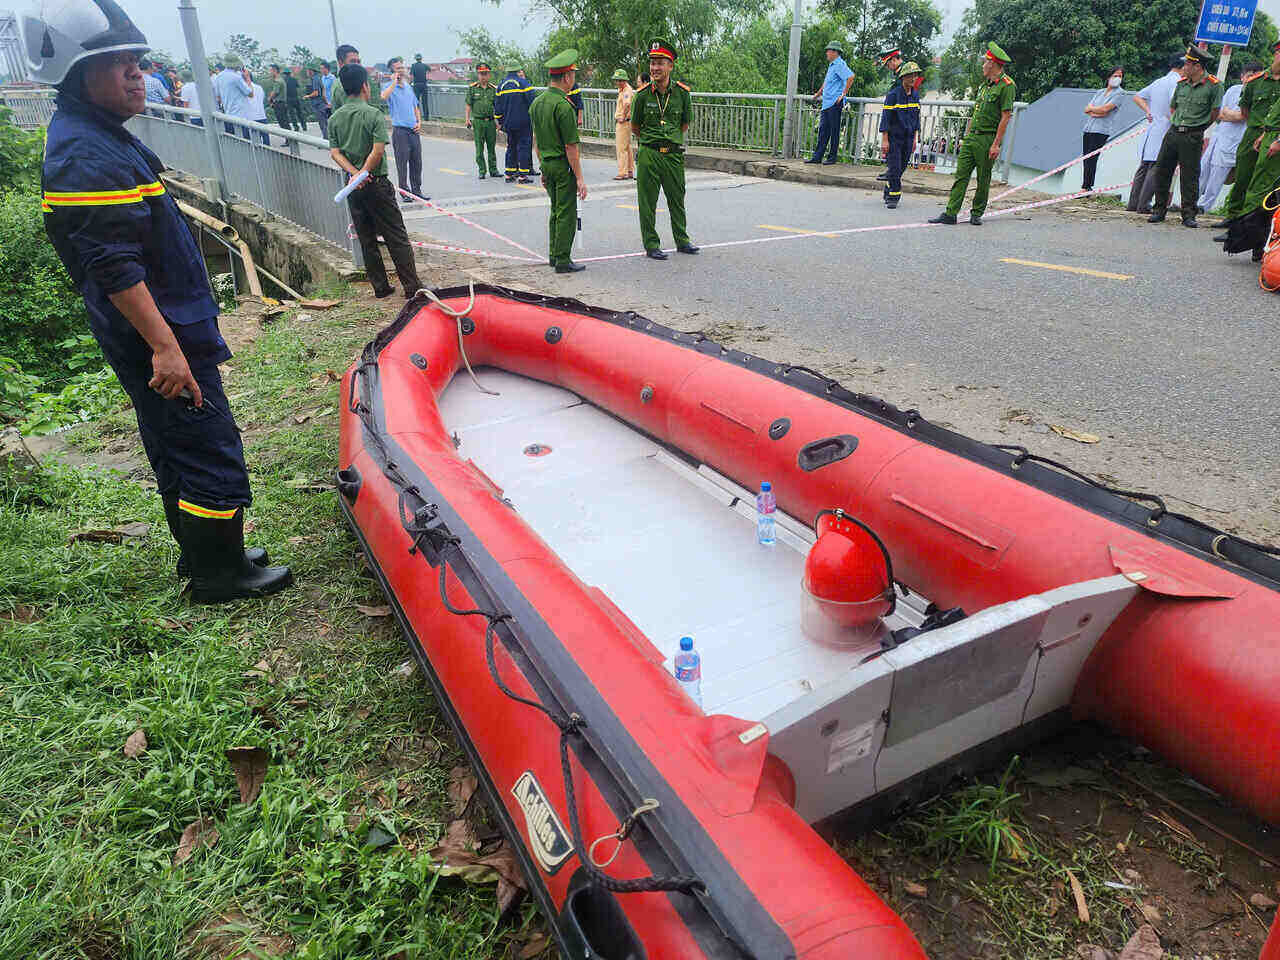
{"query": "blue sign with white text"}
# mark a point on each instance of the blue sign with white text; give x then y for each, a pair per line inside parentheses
(1226, 21)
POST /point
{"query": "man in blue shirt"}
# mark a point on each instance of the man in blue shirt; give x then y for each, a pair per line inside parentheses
(234, 91)
(834, 89)
(155, 88)
(406, 122)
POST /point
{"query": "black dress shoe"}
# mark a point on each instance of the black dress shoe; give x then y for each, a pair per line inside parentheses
(1220, 238)
(975, 219)
(655, 254)
(883, 176)
(1157, 216)
(944, 217)
(526, 179)
(827, 163)
(569, 267)
(891, 204)
(481, 177)
(686, 248)
(1190, 222)
(811, 160)
(511, 179)
(383, 294)
(1220, 224)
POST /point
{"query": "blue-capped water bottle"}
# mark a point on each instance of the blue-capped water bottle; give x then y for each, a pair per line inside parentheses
(689, 670)
(766, 507)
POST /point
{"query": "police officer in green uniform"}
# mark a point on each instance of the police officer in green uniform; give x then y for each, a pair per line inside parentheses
(983, 137)
(555, 136)
(480, 97)
(661, 112)
(1256, 101)
(1196, 100)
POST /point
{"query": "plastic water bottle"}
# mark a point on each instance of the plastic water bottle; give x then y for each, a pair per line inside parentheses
(766, 507)
(689, 670)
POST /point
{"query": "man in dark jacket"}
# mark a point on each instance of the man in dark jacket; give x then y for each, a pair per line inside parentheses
(899, 125)
(130, 252)
(420, 73)
(511, 109)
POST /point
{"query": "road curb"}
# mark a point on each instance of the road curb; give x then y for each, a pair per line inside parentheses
(740, 165)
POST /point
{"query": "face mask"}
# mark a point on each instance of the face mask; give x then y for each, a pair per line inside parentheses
(1114, 82)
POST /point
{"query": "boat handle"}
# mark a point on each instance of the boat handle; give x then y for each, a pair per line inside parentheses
(821, 453)
(349, 482)
(352, 403)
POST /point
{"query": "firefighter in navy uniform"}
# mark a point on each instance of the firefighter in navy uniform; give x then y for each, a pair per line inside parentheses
(899, 125)
(130, 252)
(511, 108)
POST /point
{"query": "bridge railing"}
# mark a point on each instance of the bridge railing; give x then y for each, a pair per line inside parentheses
(32, 106)
(754, 122)
(294, 182)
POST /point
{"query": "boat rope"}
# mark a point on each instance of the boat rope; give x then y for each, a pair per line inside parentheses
(1158, 513)
(570, 725)
(457, 318)
(624, 829)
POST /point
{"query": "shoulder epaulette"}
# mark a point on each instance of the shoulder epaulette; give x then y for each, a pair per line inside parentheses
(1212, 78)
(643, 86)
(1007, 78)
(1180, 80)
(1251, 79)
(476, 84)
(682, 85)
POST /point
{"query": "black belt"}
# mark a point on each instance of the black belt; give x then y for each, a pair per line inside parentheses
(664, 148)
(1199, 129)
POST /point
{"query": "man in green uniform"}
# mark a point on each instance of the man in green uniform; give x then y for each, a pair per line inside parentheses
(555, 136)
(273, 87)
(484, 128)
(983, 137)
(1256, 100)
(1195, 103)
(661, 112)
(346, 54)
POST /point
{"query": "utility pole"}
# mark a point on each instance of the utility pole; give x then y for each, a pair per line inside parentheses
(1224, 61)
(333, 19)
(200, 67)
(793, 79)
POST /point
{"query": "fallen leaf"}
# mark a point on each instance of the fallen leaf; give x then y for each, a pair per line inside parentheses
(324, 412)
(915, 889)
(406, 669)
(1091, 951)
(261, 669)
(1077, 435)
(249, 526)
(333, 375)
(1133, 876)
(1149, 913)
(196, 835)
(303, 483)
(379, 838)
(459, 840)
(1262, 901)
(96, 536)
(379, 611)
(1077, 891)
(225, 936)
(1143, 945)
(535, 947)
(301, 418)
(508, 895)
(299, 703)
(136, 745)
(462, 785)
(169, 623)
(318, 304)
(134, 530)
(363, 713)
(250, 766)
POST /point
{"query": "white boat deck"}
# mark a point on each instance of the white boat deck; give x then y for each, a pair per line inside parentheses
(673, 546)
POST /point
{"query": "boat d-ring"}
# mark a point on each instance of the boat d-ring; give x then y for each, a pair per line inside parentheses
(621, 834)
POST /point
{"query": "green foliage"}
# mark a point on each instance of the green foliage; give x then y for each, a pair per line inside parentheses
(874, 27)
(86, 396)
(977, 821)
(21, 152)
(479, 43)
(255, 56)
(39, 307)
(1076, 43)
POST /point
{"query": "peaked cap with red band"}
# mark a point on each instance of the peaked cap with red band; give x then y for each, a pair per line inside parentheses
(662, 48)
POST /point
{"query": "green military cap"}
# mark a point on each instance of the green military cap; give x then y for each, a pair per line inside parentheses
(888, 55)
(908, 68)
(562, 62)
(1196, 55)
(662, 48)
(996, 52)
(231, 60)
(837, 46)
(481, 66)
(620, 74)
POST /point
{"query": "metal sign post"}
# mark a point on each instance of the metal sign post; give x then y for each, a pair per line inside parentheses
(793, 80)
(1226, 21)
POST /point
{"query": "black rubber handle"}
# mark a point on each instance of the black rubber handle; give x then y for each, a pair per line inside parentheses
(349, 482)
(821, 453)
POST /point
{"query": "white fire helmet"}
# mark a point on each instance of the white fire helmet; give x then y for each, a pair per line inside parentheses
(58, 34)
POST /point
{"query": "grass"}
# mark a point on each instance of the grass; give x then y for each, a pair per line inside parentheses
(98, 643)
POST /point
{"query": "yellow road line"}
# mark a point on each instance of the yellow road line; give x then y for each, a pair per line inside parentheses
(525, 186)
(632, 206)
(456, 173)
(774, 226)
(1057, 266)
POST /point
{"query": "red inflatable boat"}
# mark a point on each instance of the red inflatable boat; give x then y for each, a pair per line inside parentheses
(550, 525)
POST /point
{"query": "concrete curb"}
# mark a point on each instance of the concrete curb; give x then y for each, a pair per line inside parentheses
(740, 164)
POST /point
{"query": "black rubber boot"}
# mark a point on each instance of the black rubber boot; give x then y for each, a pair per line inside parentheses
(219, 570)
(943, 217)
(255, 555)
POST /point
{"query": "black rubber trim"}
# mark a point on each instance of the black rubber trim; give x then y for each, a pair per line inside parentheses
(727, 921)
(1185, 533)
(824, 452)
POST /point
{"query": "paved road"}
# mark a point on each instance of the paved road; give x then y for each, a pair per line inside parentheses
(1167, 340)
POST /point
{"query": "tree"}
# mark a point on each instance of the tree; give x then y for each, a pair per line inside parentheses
(303, 56)
(480, 44)
(256, 57)
(1076, 43)
(877, 25)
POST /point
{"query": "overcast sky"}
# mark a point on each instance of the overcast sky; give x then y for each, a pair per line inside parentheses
(379, 28)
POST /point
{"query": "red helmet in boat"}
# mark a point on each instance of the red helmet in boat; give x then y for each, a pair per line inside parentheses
(1269, 273)
(848, 571)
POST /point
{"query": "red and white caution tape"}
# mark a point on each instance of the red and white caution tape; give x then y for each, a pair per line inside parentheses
(1071, 163)
(471, 223)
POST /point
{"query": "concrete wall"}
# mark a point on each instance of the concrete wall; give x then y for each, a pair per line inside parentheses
(1116, 165)
(291, 253)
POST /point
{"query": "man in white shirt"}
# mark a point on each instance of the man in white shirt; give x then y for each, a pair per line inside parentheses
(257, 110)
(190, 96)
(1155, 101)
(1219, 157)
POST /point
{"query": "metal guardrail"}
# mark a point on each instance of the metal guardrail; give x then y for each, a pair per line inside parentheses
(32, 106)
(282, 182)
(753, 122)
